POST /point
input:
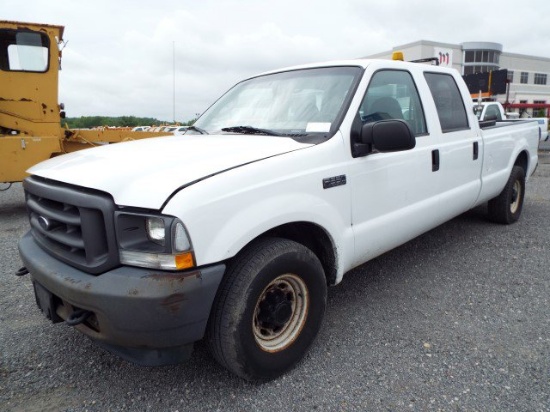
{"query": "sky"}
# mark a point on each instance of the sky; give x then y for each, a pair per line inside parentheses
(123, 58)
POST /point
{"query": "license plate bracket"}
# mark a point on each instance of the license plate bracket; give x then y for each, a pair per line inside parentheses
(46, 302)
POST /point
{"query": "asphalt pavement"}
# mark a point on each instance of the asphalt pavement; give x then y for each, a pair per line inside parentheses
(455, 320)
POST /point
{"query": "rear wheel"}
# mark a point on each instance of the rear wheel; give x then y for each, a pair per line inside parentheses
(506, 207)
(268, 310)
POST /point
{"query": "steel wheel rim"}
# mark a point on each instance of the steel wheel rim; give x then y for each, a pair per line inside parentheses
(280, 313)
(516, 196)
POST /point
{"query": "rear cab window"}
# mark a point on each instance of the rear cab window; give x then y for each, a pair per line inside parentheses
(492, 113)
(448, 102)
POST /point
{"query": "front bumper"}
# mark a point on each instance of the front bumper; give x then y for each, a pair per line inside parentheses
(147, 316)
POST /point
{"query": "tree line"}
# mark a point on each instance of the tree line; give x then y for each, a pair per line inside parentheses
(89, 122)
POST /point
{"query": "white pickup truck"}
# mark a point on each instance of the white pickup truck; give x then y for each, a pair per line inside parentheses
(233, 231)
(494, 111)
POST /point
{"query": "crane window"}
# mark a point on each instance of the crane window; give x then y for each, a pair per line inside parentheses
(25, 51)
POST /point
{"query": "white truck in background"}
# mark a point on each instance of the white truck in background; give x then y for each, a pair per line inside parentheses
(494, 111)
(288, 181)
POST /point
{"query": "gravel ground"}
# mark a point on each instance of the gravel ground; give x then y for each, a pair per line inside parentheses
(455, 320)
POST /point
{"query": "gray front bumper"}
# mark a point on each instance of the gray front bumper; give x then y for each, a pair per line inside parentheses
(139, 313)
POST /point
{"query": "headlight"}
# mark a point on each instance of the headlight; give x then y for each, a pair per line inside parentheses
(155, 229)
(153, 241)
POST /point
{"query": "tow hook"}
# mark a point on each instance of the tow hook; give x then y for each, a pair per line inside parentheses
(22, 271)
(77, 317)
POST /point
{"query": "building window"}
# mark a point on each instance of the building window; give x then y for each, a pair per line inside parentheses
(524, 78)
(479, 69)
(510, 76)
(524, 112)
(539, 111)
(481, 56)
(540, 78)
(480, 61)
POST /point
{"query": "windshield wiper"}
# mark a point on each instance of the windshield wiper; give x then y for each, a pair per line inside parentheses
(250, 130)
(197, 129)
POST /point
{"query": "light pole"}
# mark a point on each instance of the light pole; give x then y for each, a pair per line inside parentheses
(174, 82)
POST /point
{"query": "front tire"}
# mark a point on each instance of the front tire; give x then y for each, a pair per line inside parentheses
(506, 207)
(268, 310)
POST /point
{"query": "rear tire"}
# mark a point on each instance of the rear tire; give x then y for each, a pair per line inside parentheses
(268, 310)
(506, 207)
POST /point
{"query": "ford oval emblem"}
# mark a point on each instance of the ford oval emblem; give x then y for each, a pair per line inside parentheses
(45, 223)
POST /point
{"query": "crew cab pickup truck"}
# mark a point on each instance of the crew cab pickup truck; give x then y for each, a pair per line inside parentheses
(232, 232)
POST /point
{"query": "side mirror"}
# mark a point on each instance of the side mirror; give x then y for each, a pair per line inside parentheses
(391, 135)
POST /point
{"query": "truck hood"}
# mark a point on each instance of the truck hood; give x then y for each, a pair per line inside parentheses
(144, 173)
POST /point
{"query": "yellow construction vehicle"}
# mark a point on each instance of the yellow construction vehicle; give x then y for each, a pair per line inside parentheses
(30, 114)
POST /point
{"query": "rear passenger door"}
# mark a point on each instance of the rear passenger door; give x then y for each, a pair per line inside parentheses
(458, 158)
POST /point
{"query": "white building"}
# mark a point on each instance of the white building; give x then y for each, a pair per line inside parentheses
(528, 75)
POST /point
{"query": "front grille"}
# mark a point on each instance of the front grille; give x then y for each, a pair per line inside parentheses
(72, 223)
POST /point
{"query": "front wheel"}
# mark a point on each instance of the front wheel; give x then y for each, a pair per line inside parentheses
(506, 207)
(268, 310)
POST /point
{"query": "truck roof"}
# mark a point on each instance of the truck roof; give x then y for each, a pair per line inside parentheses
(357, 62)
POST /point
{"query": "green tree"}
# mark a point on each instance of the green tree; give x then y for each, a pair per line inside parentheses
(89, 122)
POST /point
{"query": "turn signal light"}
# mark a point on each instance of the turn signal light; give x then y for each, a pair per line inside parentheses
(184, 261)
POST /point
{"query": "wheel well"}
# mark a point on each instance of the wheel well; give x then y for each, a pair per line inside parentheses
(522, 161)
(314, 238)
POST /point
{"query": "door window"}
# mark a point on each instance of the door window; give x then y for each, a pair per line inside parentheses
(392, 94)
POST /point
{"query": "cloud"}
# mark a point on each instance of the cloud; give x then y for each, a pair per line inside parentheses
(120, 56)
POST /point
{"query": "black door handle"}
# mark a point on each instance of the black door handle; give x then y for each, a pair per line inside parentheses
(435, 160)
(476, 150)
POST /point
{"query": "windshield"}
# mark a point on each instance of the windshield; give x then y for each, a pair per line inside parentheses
(297, 103)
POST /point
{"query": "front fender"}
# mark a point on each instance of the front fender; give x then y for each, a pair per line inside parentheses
(226, 212)
(222, 229)
(258, 218)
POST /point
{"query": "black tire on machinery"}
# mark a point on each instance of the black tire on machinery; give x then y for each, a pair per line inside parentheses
(499, 207)
(229, 333)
